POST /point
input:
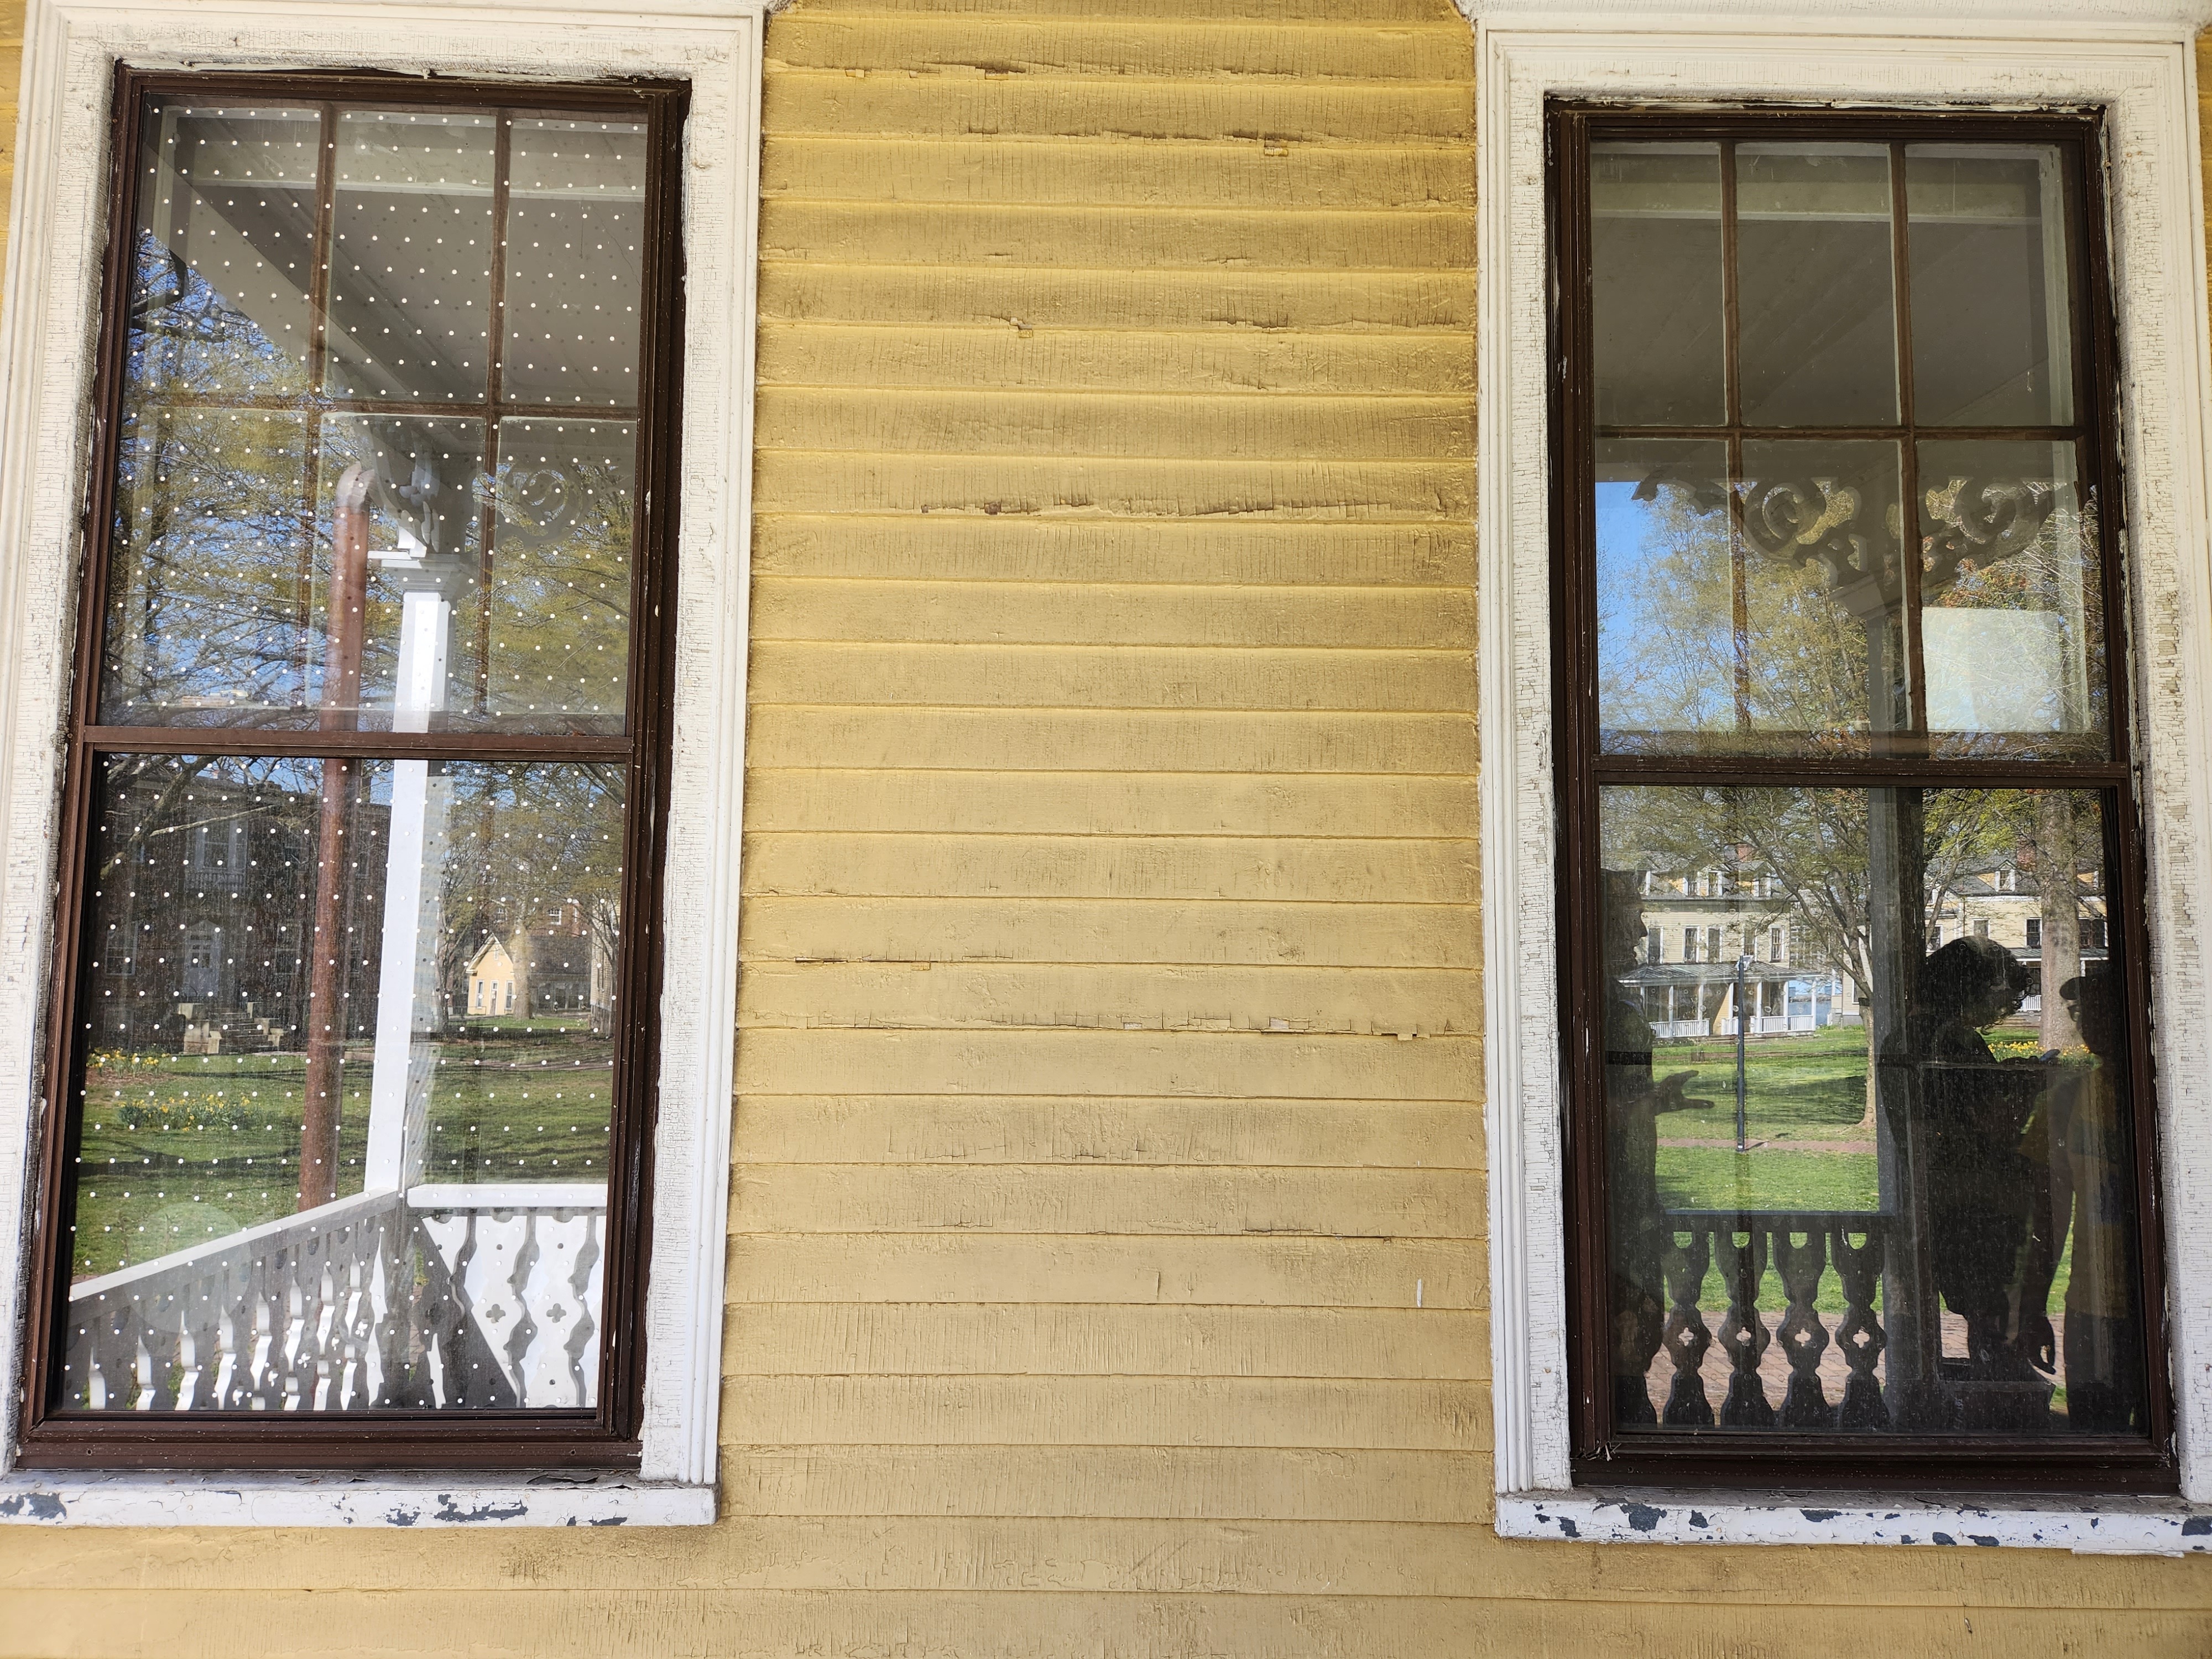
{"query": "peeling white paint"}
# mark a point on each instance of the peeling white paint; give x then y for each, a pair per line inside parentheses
(2148, 1526)
(196, 1499)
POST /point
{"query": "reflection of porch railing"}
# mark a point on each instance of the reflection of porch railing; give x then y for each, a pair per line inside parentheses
(439, 1296)
(1801, 1246)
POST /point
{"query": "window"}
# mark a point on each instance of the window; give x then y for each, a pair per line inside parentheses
(380, 523)
(1840, 570)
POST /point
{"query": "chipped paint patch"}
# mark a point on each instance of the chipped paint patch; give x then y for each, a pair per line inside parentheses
(2149, 1526)
(525, 1499)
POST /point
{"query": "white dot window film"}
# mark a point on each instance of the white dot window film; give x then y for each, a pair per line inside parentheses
(319, 395)
(412, 254)
(575, 262)
(472, 997)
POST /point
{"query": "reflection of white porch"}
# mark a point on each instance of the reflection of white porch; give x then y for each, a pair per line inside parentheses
(432, 1298)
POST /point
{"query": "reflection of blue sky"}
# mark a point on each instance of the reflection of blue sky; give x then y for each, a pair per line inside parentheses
(1652, 676)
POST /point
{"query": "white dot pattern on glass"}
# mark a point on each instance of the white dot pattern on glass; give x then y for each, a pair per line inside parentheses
(574, 239)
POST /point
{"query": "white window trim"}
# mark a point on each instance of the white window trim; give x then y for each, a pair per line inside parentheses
(2136, 62)
(48, 328)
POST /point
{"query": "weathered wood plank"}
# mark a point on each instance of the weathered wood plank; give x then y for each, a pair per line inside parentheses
(994, 421)
(949, 996)
(1374, 492)
(846, 609)
(1118, 238)
(1399, 871)
(1170, 932)
(1193, 1482)
(810, 285)
(1224, 1272)
(1065, 676)
(1119, 740)
(1251, 111)
(1035, 1201)
(887, 1338)
(1312, 553)
(1226, 1065)
(1149, 172)
(915, 42)
(1075, 803)
(1355, 1414)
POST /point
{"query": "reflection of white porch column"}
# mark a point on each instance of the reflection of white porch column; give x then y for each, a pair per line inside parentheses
(407, 979)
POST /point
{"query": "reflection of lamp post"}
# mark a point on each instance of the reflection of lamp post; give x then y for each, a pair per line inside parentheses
(1742, 963)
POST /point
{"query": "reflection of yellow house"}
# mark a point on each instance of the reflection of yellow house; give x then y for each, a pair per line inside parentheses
(492, 979)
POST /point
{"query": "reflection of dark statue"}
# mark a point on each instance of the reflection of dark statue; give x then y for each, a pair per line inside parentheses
(1637, 1220)
(2078, 1145)
(1974, 1110)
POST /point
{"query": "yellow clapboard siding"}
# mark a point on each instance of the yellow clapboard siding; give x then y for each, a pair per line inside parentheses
(1094, 360)
(1353, 12)
(950, 995)
(1220, 1272)
(1113, 1199)
(912, 42)
(1227, 1065)
(1091, 1130)
(1150, 172)
(1034, 106)
(996, 422)
(1131, 740)
(1028, 1623)
(1073, 803)
(812, 286)
(1100, 867)
(1262, 553)
(1109, 676)
(1357, 1413)
(811, 1339)
(833, 482)
(1197, 1483)
(1105, 613)
(1047, 929)
(1116, 238)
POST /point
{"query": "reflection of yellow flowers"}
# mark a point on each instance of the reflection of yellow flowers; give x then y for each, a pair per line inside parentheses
(2029, 1048)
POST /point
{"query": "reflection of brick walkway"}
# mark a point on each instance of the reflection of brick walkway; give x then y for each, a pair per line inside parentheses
(1774, 1364)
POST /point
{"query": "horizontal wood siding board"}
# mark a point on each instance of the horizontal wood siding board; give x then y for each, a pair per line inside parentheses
(1263, 115)
(1234, 553)
(871, 285)
(953, 995)
(1436, 51)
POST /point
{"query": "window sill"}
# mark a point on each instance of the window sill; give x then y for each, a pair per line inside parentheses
(200, 1498)
(2087, 1526)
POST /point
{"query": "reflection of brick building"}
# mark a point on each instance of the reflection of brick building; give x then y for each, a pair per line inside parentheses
(194, 943)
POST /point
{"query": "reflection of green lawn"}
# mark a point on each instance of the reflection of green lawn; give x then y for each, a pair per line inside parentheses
(1807, 1087)
(181, 1148)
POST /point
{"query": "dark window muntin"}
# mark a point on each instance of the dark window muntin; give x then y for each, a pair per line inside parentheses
(608, 1435)
(1602, 1454)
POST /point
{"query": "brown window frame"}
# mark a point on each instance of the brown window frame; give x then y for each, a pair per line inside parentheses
(606, 1435)
(1602, 1454)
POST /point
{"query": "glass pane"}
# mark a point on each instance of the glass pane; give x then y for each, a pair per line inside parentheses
(1778, 634)
(1656, 284)
(575, 233)
(558, 615)
(409, 1132)
(207, 604)
(1868, 1120)
(1816, 301)
(411, 255)
(1991, 334)
(223, 245)
(2012, 624)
